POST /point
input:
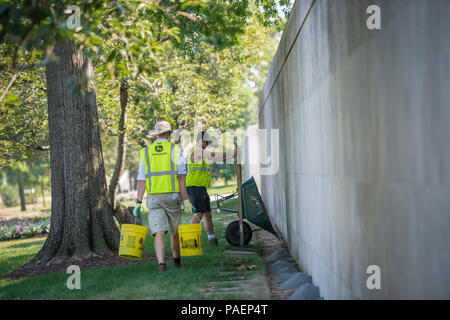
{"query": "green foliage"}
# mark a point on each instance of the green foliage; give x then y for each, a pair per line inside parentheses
(39, 174)
(269, 15)
(126, 39)
(10, 196)
(184, 60)
(218, 87)
(33, 173)
(224, 172)
(133, 30)
(24, 126)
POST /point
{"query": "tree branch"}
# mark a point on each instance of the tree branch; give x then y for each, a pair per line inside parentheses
(42, 63)
(164, 39)
(187, 15)
(37, 144)
(13, 79)
(34, 147)
(147, 82)
(121, 149)
(34, 20)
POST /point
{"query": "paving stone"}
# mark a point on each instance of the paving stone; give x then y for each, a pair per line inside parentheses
(278, 255)
(280, 267)
(239, 252)
(229, 289)
(279, 264)
(296, 281)
(232, 273)
(282, 277)
(307, 291)
(227, 282)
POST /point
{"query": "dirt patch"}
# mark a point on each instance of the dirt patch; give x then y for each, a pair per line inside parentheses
(88, 263)
(267, 244)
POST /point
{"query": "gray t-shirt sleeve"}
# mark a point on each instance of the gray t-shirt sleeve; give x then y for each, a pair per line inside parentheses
(141, 171)
(181, 163)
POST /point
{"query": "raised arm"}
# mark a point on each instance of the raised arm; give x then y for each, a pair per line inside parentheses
(211, 155)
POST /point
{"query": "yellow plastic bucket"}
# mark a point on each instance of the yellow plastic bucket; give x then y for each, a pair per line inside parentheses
(190, 239)
(132, 240)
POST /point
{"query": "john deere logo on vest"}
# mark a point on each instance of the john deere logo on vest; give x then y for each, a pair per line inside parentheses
(159, 148)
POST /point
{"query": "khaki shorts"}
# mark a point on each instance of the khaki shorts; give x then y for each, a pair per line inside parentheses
(164, 212)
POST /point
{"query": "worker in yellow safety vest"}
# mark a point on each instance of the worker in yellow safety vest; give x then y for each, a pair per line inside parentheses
(162, 173)
(199, 178)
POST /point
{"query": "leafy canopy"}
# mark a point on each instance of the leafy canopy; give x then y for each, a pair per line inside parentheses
(185, 59)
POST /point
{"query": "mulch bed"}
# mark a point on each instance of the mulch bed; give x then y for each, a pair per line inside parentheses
(267, 244)
(89, 263)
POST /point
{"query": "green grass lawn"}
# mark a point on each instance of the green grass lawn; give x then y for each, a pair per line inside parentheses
(222, 190)
(141, 281)
(31, 208)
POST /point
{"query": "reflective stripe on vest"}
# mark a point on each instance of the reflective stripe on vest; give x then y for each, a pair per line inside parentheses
(172, 172)
(198, 173)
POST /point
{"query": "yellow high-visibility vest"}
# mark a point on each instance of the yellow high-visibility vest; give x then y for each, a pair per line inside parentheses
(198, 174)
(160, 159)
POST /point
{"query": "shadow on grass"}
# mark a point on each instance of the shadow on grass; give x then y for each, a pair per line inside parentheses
(15, 263)
(25, 245)
(139, 281)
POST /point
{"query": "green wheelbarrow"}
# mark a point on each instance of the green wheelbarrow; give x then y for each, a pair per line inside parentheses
(253, 210)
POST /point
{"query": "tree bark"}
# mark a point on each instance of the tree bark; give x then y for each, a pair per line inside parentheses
(23, 205)
(43, 194)
(130, 180)
(81, 223)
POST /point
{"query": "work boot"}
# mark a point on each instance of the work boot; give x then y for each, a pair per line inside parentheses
(162, 268)
(213, 242)
(178, 263)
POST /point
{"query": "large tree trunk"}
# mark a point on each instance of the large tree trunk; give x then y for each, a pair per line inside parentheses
(23, 205)
(82, 224)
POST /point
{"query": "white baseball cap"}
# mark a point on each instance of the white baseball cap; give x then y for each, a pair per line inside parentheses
(205, 136)
(160, 128)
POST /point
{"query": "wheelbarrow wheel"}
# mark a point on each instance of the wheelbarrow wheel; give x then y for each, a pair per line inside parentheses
(232, 233)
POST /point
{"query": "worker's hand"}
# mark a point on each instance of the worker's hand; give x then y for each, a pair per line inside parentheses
(180, 197)
(137, 211)
(186, 206)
